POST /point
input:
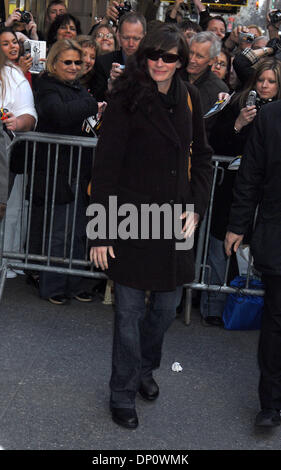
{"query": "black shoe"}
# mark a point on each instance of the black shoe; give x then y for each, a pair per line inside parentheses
(58, 299)
(149, 389)
(268, 417)
(126, 417)
(212, 321)
(84, 297)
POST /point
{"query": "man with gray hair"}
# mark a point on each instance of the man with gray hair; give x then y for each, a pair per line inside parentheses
(204, 47)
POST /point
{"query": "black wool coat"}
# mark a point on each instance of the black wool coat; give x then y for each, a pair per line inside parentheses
(62, 108)
(258, 183)
(142, 157)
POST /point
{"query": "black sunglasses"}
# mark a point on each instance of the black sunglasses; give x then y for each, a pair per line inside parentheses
(70, 62)
(167, 57)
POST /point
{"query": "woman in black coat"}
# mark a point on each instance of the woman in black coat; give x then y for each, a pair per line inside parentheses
(62, 105)
(142, 158)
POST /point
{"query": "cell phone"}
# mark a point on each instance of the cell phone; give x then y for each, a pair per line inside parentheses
(26, 47)
(251, 99)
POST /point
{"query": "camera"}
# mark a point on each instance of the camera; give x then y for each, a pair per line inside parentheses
(251, 99)
(125, 9)
(25, 16)
(275, 16)
(248, 37)
(3, 114)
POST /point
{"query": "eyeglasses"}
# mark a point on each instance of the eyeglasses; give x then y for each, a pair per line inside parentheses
(105, 35)
(167, 57)
(220, 64)
(70, 62)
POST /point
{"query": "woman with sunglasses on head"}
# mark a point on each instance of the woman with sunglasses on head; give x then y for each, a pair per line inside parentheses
(62, 104)
(142, 158)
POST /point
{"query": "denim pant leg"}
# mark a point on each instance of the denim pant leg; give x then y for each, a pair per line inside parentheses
(61, 284)
(52, 283)
(126, 354)
(212, 303)
(161, 313)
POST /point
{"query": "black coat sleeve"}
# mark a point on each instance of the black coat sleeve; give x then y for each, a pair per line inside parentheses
(108, 163)
(99, 82)
(51, 103)
(201, 153)
(243, 68)
(249, 180)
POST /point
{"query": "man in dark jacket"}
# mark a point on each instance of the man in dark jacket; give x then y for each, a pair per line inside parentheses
(204, 48)
(258, 182)
(131, 29)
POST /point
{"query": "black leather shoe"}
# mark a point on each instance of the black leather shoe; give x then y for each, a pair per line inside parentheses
(149, 389)
(212, 321)
(126, 417)
(268, 417)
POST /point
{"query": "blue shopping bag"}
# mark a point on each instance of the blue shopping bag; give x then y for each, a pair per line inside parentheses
(243, 312)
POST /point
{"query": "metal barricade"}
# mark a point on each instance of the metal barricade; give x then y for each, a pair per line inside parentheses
(201, 265)
(23, 259)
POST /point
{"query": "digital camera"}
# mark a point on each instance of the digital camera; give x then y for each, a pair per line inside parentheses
(125, 9)
(25, 16)
(248, 37)
(275, 16)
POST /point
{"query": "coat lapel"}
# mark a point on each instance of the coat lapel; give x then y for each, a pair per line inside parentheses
(160, 119)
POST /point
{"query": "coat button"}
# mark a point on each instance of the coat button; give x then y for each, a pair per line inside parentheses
(173, 172)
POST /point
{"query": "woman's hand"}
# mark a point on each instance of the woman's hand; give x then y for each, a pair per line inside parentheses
(11, 122)
(25, 62)
(111, 12)
(98, 255)
(31, 27)
(192, 219)
(101, 107)
(232, 240)
(246, 116)
(15, 16)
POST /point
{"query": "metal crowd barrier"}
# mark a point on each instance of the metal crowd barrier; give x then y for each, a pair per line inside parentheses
(201, 265)
(23, 259)
(67, 264)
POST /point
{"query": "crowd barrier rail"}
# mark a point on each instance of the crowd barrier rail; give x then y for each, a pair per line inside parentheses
(24, 260)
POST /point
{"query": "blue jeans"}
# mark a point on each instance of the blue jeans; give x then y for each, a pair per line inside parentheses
(138, 338)
(212, 303)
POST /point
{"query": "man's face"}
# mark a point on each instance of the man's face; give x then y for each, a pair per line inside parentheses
(56, 10)
(199, 58)
(130, 37)
(217, 27)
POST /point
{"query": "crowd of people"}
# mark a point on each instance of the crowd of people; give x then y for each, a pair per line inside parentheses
(155, 80)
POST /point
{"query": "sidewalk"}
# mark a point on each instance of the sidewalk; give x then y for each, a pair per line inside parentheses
(55, 366)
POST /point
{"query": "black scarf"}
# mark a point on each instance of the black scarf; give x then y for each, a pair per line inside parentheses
(171, 99)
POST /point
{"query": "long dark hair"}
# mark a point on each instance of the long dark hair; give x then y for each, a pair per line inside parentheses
(61, 20)
(136, 81)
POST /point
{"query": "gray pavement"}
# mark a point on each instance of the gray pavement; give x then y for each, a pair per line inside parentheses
(55, 366)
